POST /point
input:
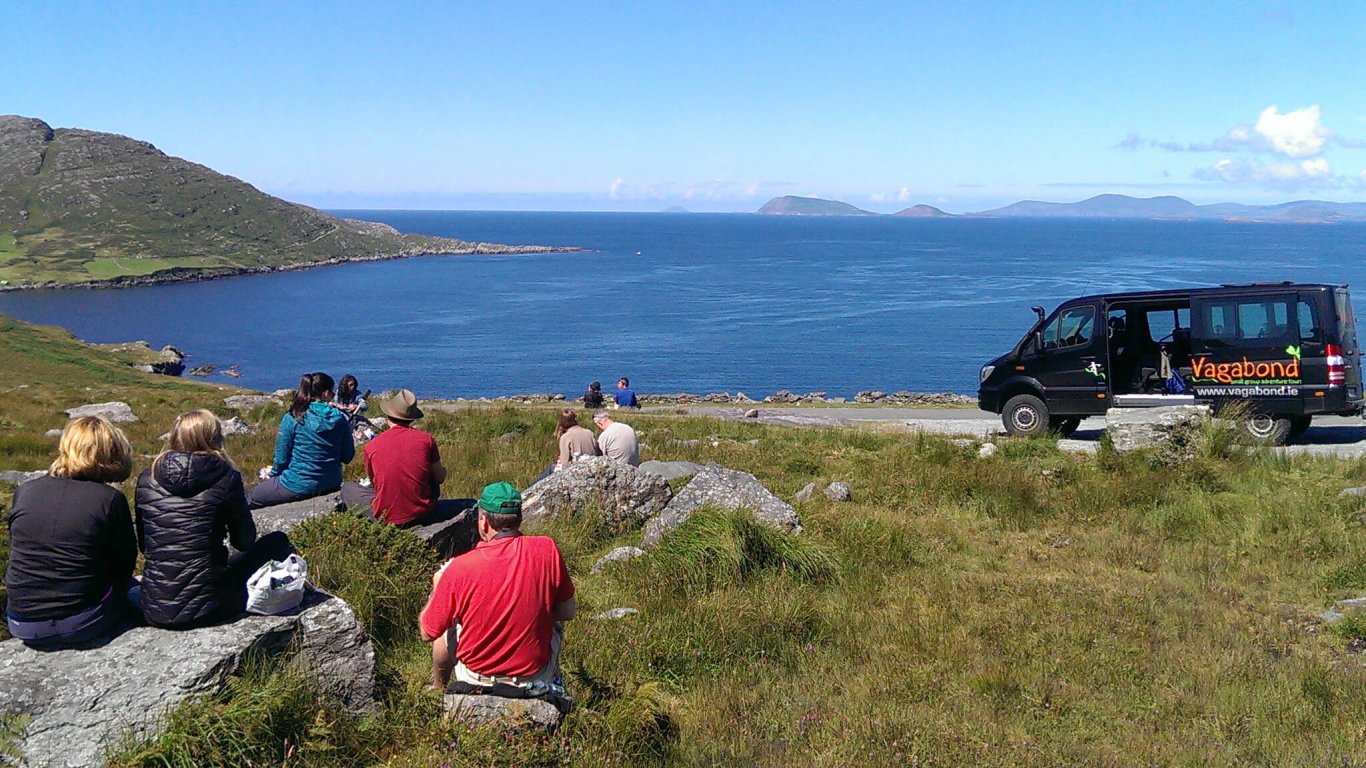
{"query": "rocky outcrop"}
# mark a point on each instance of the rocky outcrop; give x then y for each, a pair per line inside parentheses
(670, 470)
(118, 413)
(805, 493)
(1170, 426)
(902, 397)
(78, 702)
(234, 426)
(618, 555)
(837, 491)
(1347, 493)
(510, 714)
(18, 477)
(451, 529)
(623, 495)
(612, 614)
(283, 517)
(717, 486)
(247, 402)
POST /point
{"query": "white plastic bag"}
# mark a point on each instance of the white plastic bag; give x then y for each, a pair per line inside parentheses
(277, 587)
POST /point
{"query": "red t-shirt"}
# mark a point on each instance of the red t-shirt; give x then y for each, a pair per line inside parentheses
(399, 463)
(501, 593)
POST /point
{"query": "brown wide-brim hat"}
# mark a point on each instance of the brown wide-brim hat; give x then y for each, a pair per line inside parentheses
(402, 406)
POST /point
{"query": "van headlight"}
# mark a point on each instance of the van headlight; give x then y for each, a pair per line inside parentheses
(986, 372)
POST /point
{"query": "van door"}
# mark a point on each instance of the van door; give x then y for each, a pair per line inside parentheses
(1247, 347)
(1072, 363)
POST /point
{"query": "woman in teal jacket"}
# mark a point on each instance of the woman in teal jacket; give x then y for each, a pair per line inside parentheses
(313, 444)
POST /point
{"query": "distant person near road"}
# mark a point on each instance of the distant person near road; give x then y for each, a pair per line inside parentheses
(404, 467)
(592, 398)
(618, 441)
(626, 397)
(495, 615)
(313, 444)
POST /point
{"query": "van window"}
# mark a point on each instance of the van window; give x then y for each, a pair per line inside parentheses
(1162, 323)
(1071, 328)
(1264, 320)
(1310, 331)
(1347, 329)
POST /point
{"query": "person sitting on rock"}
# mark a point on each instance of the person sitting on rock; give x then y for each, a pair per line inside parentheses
(313, 444)
(190, 500)
(404, 467)
(626, 397)
(351, 402)
(592, 399)
(574, 440)
(617, 441)
(71, 543)
(495, 616)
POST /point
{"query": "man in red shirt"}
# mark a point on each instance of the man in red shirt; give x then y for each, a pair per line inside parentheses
(494, 615)
(404, 467)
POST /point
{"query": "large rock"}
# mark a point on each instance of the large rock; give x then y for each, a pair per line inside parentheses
(1131, 429)
(247, 402)
(78, 702)
(117, 412)
(18, 477)
(1347, 493)
(718, 486)
(622, 494)
(511, 714)
(837, 491)
(670, 470)
(452, 529)
(234, 426)
(618, 555)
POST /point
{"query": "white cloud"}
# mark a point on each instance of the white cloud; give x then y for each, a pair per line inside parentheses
(615, 191)
(1313, 173)
(904, 194)
(1294, 134)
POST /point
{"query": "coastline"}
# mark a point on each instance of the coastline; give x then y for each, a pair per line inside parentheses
(197, 274)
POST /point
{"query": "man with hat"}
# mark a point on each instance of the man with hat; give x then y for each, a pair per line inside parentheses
(494, 615)
(404, 467)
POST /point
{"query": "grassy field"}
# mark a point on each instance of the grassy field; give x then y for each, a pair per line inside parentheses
(1035, 608)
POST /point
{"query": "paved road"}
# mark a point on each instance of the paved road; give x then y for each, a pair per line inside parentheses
(1341, 436)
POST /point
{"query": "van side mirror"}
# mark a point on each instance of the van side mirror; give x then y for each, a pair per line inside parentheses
(1038, 342)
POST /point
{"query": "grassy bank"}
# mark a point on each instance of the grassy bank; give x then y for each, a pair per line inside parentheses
(1034, 608)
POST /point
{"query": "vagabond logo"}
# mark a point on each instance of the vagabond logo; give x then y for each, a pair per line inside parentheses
(1247, 371)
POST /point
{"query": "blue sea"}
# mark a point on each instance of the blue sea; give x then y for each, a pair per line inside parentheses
(687, 302)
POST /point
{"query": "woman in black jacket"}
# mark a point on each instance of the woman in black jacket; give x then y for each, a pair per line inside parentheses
(187, 503)
(71, 546)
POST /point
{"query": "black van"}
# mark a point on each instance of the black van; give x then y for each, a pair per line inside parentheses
(1288, 351)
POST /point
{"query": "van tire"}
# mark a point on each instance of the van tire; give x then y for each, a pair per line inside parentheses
(1298, 426)
(1064, 426)
(1267, 428)
(1025, 416)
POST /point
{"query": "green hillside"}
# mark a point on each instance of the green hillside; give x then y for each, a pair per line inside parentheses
(81, 206)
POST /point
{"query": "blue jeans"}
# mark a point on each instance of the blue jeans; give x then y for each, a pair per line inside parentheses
(107, 618)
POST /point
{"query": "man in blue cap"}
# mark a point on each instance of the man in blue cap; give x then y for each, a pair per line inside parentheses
(494, 615)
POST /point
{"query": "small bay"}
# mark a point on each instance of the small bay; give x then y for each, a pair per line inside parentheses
(687, 302)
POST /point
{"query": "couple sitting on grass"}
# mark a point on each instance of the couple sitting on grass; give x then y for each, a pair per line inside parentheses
(73, 542)
(315, 442)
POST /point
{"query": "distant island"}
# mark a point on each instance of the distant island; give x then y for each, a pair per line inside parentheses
(790, 205)
(676, 209)
(1165, 208)
(83, 208)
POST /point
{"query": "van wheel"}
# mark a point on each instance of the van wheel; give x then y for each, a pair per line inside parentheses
(1025, 416)
(1064, 426)
(1298, 426)
(1268, 429)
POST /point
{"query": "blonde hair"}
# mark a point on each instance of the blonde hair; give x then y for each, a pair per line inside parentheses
(197, 431)
(93, 449)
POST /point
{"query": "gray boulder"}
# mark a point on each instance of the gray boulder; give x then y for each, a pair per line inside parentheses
(511, 714)
(283, 517)
(451, 529)
(837, 492)
(618, 555)
(805, 493)
(79, 702)
(17, 477)
(1131, 429)
(117, 412)
(1346, 493)
(986, 451)
(612, 614)
(234, 426)
(622, 494)
(247, 402)
(53, 433)
(718, 486)
(670, 470)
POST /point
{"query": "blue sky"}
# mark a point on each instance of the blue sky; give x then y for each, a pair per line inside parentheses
(715, 106)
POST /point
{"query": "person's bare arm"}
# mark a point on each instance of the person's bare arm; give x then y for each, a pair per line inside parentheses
(438, 472)
(564, 611)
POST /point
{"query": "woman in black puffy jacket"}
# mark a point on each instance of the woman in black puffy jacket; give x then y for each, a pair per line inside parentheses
(187, 504)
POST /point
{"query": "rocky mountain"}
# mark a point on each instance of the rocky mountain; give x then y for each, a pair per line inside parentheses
(790, 205)
(84, 207)
(922, 211)
(1169, 207)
